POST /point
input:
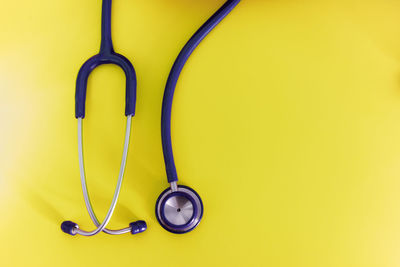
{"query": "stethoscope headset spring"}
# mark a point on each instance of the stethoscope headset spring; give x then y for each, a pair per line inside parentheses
(179, 208)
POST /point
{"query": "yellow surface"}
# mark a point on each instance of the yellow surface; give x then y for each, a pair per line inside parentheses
(286, 121)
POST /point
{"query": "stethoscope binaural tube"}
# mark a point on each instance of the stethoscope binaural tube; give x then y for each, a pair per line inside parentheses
(187, 196)
(105, 56)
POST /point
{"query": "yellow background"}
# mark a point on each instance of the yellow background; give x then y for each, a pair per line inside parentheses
(286, 121)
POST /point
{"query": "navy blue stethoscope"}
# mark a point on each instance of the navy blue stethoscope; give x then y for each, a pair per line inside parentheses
(179, 208)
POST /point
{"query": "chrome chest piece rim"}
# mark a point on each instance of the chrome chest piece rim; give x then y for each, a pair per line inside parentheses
(179, 211)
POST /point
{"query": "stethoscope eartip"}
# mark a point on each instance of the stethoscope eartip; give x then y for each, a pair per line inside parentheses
(138, 227)
(69, 227)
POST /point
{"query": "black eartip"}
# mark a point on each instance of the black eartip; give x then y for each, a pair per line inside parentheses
(68, 227)
(138, 227)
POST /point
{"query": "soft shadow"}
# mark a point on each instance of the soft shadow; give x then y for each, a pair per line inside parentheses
(43, 207)
(50, 212)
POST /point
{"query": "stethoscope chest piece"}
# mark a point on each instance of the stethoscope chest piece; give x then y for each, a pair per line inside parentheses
(179, 211)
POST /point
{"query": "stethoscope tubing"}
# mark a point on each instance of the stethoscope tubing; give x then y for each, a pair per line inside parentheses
(173, 77)
(106, 55)
(106, 45)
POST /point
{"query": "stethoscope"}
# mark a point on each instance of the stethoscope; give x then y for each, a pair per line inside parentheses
(179, 208)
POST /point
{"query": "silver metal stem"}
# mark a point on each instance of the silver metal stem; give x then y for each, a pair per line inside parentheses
(102, 226)
(174, 186)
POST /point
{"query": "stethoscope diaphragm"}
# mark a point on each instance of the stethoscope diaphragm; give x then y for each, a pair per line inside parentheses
(179, 210)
